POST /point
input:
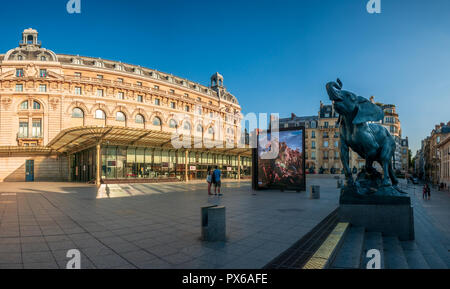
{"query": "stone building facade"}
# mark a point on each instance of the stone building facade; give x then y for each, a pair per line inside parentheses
(432, 157)
(43, 95)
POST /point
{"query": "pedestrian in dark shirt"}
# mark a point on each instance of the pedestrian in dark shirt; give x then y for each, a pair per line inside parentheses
(216, 180)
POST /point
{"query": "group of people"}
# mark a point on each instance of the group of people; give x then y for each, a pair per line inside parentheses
(213, 178)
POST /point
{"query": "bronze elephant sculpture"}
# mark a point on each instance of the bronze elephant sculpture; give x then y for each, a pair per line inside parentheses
(371, 141)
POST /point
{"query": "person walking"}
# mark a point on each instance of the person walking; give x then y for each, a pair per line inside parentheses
(209, 180)
(216, 180)
(425, 191)
(428, 192)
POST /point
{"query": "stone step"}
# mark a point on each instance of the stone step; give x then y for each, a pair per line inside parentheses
(350, 254)
(427, 246)
(394, 256)
(414, 255)
(373, 240)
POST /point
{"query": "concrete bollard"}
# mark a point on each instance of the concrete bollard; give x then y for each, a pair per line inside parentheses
(314, 192)
(213, 223)
(216, 224)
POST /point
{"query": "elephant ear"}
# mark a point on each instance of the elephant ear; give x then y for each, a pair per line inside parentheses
(367, 111)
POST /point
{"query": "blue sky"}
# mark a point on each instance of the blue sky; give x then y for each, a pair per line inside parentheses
(275, 56)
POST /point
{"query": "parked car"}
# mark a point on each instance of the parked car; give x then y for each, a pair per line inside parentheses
(415, 180)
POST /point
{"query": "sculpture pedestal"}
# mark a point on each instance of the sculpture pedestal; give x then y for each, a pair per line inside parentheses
(390, 215)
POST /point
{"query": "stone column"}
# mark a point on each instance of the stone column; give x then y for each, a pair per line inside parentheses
(98, 164)
(186, 161)
(239, 167)
(69, 173)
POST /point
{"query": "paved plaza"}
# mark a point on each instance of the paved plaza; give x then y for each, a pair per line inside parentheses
(158, 225)
(152, 225)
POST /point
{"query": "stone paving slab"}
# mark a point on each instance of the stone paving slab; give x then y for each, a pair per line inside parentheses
(152, 225)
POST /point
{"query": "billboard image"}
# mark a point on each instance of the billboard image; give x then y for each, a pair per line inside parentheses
(284, 169)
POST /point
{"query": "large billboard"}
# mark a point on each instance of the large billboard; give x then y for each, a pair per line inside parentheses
(280, 161)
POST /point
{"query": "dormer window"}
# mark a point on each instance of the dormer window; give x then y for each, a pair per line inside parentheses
(119, 67)
(43, 58)
(98, 64)
(76, 61)
(19, 57)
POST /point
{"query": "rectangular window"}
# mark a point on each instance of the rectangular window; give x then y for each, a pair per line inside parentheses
(23, 128)
(186, 108)
(313, 155)
(77, 74)
(78, 90)
(172, 91)
(325, 124)
(325, 144)
(100, 92)
(336, 144)
(36, 130)
(42, 72)
(156, 87)
(19, 87)
(325, 155)
(336, 155)
(140, 98)
(172, 105)
(120, 80)
(313, 134)
(19, 72)
(313, 144)
(139, 83)
(99, 76)
(42, 88)
(157, 101)
(120, 95)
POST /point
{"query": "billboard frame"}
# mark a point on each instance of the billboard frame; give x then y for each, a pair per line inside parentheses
(255, 163)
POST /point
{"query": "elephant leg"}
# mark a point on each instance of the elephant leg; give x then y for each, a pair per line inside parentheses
(392, 175)
(386, 179)
(385, 158)
(344, 160)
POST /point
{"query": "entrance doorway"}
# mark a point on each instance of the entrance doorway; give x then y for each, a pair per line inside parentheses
(29, 171)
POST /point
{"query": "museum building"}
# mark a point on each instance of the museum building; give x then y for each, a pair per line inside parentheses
(73, 118)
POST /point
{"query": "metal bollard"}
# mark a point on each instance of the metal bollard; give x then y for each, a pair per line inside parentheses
(314, 192)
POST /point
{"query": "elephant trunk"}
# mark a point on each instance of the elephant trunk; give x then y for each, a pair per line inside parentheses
(332, 90)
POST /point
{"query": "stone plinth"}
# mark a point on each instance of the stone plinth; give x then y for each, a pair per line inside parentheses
(213, 223)
(390, 215)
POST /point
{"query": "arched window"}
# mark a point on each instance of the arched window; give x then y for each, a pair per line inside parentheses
(210, 130)
(36, 105)
(139, 118)
(120, 116)
(100, 114)
(199, 128)
(24, 105)
(77, 113)
(157, 121)
(172, 123)
(187, 125)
